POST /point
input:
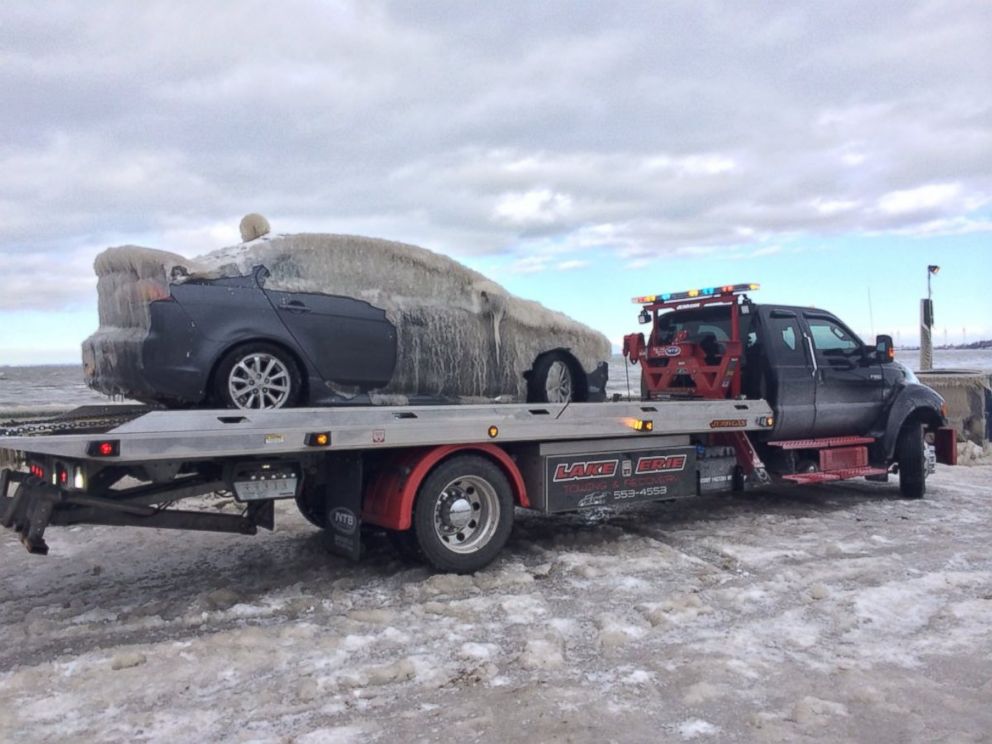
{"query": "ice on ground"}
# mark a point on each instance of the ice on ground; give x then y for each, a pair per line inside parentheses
(845, 614)
(970, 453)
(695, 727)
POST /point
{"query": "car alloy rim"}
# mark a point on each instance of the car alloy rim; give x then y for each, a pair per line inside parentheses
(558, 384)
(466, 514)
(259, 381)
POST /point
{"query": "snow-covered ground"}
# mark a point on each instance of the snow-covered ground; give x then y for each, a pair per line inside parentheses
(834, 613)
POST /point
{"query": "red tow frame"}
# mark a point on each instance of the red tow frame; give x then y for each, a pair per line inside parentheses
(679, 367)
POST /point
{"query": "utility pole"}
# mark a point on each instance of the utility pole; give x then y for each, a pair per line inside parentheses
(926, 323)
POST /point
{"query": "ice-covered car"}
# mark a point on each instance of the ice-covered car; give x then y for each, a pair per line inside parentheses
(327, 319)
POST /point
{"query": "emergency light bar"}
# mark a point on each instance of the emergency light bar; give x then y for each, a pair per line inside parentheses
(728, 290)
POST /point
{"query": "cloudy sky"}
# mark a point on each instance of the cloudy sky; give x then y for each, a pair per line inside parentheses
(579, 153)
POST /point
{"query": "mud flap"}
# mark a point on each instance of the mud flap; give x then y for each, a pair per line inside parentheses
(343, 504)
(946, 444)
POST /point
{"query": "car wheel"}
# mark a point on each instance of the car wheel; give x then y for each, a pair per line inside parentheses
(552, 380)
(257, 377)
(463, 514)
(911, 455)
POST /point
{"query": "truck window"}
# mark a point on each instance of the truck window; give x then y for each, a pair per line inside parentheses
(784, 336)
(831, 339)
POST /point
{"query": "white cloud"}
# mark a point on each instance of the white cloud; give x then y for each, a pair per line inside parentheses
(540, 206)
(931, 196)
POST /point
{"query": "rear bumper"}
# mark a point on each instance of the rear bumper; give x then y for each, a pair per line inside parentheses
(155, 365)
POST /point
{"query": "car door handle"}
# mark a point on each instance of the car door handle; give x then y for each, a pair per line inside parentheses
(294, 307)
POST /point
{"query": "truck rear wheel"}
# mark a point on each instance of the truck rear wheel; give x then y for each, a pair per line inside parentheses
(911, 456)
(463, 514)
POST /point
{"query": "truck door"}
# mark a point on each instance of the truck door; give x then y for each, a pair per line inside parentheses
(849, 382)
(790, 384)
(348, 340)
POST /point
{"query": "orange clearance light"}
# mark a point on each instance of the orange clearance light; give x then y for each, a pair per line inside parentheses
(318, 439)
(493, 432)
(640, 424)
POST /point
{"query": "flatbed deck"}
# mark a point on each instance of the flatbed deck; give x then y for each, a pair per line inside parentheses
(206, 434)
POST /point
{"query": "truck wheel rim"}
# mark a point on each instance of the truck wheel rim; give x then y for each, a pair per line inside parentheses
(558, 383)
(259, 381)
(466, 514)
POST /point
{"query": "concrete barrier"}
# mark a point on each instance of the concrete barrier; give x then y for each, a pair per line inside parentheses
(968, 393)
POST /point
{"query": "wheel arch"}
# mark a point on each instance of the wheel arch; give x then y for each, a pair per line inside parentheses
(914, 404)
(390, 496)
(301, 365)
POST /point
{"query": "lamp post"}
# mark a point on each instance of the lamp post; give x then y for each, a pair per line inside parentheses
(926, 323)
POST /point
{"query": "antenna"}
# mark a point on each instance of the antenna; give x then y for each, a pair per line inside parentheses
(871, 314)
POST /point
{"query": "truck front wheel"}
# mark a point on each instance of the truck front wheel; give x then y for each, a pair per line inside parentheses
(463, 514)
(911, 456)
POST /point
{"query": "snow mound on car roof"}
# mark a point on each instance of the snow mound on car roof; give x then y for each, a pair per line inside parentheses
(385, 273)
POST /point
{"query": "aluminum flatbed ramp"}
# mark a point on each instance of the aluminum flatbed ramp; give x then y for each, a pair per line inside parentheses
(204, 434)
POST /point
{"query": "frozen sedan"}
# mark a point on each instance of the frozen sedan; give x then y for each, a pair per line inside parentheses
(327, 319)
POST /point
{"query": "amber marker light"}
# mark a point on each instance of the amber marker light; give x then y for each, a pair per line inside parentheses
(640, 424)
(493, 432)
(318, 439)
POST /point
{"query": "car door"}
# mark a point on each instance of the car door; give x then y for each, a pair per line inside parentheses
(791, 385)
(348, 340)
(849, 382)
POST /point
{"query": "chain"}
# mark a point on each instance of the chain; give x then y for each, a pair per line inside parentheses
(41, 427)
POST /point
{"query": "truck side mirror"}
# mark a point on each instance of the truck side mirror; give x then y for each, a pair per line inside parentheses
(884, 350)
(644, 317)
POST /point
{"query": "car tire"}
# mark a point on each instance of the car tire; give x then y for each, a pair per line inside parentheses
(463, 514)
(240, 381)
(911, 456)
(552, 380)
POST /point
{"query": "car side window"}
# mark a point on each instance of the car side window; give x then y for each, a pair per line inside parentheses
(830, 339)
(784, 336)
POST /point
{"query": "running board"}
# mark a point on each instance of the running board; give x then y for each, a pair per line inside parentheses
(834, 475)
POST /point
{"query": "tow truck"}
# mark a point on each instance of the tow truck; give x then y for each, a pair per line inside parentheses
(733, 396)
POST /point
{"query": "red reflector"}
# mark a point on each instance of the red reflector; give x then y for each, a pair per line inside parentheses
(63, 475)
(106, 448)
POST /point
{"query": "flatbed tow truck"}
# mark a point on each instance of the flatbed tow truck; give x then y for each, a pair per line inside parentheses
(444, 481)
